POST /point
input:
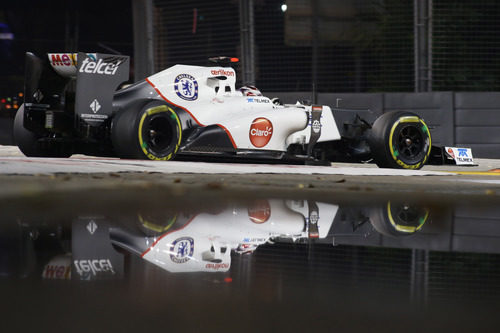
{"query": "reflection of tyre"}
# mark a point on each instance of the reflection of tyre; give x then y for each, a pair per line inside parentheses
(152, 133)
(156, 224)
(397, 219)
(400, 139)
(29, 143)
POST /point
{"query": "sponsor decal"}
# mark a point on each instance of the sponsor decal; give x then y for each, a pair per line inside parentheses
(182, 250)
(462, 156)
(57, 272)
(95, 106)
(94, 266)
(259, 212)
(62, 59)
(217, 266)
(450, 151)
(94, 117)
(462, 152)
(58, 268)
(92, 227)
(313, 234)
(314, 217)
(219, 72)
(316, 126)
(186, 87)
(246, 248)
(254, 240)
(65, 64)
(316, 123)
(38, 96)
(92, 66)
(261, 131)
(258, 100)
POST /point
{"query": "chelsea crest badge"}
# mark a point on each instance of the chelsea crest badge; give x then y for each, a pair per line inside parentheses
(182, 250)
(186, 87)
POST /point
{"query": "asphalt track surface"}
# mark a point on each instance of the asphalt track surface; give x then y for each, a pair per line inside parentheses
(81, 165)
(13, 162)
(117, 180)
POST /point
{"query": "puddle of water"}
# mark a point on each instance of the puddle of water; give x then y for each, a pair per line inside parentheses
(267, 263)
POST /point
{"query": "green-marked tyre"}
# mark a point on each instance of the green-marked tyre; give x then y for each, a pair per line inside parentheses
(398, 218)
(153, 133)
(154, 224)
(401, 140)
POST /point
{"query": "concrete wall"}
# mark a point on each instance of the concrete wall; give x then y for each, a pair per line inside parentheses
(456, 119)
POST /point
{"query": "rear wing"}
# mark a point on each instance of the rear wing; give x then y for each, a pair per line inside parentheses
(98, 76)
(81, 84)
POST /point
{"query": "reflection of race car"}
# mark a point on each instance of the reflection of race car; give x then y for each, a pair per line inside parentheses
(196, 112)
(202, 241)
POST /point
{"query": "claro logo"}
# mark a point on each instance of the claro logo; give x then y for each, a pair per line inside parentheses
(91, 66)
(261, 131)
(259, 212)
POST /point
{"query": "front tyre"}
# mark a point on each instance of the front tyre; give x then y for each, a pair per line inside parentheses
(398, 218)
(154, 133)
(400, 139)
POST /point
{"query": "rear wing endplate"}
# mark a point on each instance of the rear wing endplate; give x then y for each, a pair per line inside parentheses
(97, 78)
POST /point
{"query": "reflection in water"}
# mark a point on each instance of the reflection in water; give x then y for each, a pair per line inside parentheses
(270, 251)
(204, 241)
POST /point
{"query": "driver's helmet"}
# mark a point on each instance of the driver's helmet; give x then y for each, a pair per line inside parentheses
(250, 91)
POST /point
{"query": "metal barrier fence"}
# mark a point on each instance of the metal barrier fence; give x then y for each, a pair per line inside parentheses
(189, 32)
(338, 46)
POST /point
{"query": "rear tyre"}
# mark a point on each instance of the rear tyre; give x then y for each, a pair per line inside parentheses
(153, 133)
(29, 143)
(401, 140)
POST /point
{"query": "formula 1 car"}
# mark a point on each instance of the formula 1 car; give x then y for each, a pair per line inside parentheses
(193, 112)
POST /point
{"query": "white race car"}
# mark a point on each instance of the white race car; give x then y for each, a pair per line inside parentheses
(193, 112)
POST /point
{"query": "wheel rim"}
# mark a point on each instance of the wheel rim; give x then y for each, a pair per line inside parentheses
(407, 215)
(159, 135)
(410, 143)
(406, 218)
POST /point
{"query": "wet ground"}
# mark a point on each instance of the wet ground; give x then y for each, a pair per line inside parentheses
(128, 251)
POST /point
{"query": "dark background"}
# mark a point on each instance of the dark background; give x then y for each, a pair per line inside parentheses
(362, 46)
(60, 26)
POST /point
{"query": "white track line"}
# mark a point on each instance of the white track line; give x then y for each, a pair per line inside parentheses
(23, 165)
